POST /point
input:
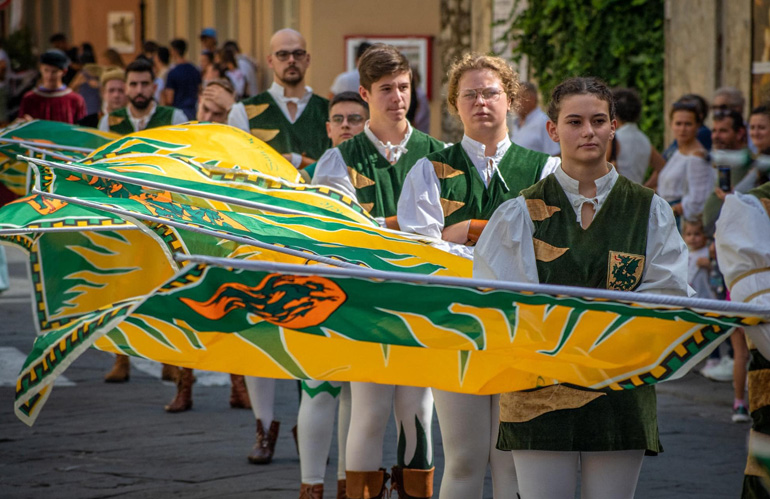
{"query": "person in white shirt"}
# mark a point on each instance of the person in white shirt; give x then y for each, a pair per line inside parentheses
(248, 68)
(634, 152)
(348, 81)
(528, 127)
(570, 229)
(450, 195)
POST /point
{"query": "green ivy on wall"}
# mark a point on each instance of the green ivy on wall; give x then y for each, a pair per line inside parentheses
(619, 41)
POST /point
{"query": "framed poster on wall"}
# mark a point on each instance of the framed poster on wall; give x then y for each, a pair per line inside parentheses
(121, 31)
(416, 48)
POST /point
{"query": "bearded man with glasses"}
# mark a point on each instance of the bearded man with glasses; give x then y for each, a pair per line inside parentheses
(288, 115)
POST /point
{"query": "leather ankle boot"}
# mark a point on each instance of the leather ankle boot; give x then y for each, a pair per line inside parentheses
(183, 399)
(265, 446)
(169, 373)
(308, 491)
(120, 371)
(341, 489)
(412, 484)
(239, 395)
(366, 484)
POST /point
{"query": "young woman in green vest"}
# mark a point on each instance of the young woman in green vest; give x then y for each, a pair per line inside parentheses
(450, 195)
(743, 251)
(584, 225)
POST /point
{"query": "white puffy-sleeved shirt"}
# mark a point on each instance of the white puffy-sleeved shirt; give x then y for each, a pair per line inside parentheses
(419, 206)
(332, 171)
(743, 253)
(505, 251)
(689, 179)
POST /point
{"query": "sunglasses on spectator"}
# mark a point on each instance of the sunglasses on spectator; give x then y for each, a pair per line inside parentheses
(353, 119)
(283, 55)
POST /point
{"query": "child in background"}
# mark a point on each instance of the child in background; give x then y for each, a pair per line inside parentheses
(699, 261)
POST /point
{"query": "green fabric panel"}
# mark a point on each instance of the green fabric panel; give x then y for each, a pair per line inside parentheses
(361, 155)
(519, 167)
(621, 226)
(713, 206)
(762, 192)
(163, 116)
(423, 453)
(753, 488)
(306, 136)
(620, 420)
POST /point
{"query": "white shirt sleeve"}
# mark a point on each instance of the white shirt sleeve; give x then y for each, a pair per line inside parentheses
(505, 251)
(419, 206)
(104, 125)
(550, 166)
(178, 117)
(238, 118)
(665, 268)
(743, 253)
(699, 178)
(332, 171)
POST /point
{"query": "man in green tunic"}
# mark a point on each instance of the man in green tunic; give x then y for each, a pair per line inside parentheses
(142, 111)
(370, 168)
(288, 115)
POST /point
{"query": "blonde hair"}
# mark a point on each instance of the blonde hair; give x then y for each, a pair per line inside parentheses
(476, 61)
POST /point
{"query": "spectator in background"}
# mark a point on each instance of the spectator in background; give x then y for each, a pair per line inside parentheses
(687, 179)
(703, 134)
(634, 152)
(205, 60)
(86, 81)
(113, 87)
(183, 82)
(113, 58)
(52, 100)
(419, 107)
(225, 58)
(528, 129)
(730, 98)
(247, 66)
(349, 80)
(209, 39)
(149, 49)
(59, 42)
(5, 79)
(160, 62)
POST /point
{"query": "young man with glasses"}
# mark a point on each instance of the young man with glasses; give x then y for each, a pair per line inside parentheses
(288, 115)
(371, 168)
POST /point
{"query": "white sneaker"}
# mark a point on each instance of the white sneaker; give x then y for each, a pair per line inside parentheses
(721, 372)
(711, 363)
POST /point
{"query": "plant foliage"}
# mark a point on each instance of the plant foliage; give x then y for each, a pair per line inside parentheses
(619, 41)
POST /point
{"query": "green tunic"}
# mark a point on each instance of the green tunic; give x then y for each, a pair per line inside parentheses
(609, 254)
(120, 123)
(463, 193)
(306, 136)
(759, 386)
(378, 183)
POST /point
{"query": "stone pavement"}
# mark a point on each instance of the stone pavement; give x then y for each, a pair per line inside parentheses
(95, 440)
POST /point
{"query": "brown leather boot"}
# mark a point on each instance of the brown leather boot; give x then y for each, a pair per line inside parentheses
(169, 373)
(265, 446)
(366, 484)
(307, 491)
(341, 489)
(239, 395)
(411, 483)
(120, 371)
(183, 399)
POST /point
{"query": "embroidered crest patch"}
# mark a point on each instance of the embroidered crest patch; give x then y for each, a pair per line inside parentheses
(624, 270)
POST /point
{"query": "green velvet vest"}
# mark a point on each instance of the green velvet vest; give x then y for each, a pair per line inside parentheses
(378, 183)
(463, 193)
(119, 122)
(762, 192)
(306, 136)
(609, 254)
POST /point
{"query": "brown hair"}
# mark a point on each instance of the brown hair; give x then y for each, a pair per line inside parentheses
(580, 85)
(380, 60)
(476, 61)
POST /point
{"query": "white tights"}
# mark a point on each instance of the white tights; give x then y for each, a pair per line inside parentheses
(469, 425)
(553, 475)
(262, 397)
(315, 427)
(371, 408)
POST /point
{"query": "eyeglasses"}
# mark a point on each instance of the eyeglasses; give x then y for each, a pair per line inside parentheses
(283, 55)
(353, 119)
(487, 94)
